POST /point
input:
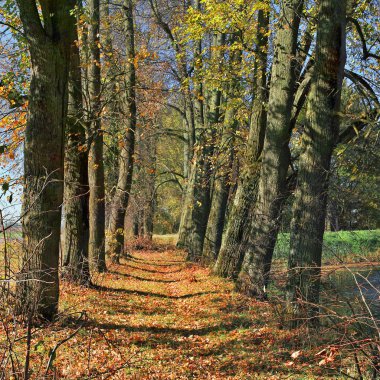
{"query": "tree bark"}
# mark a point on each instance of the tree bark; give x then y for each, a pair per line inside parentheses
(49, 46)
(272, 187)
(121, 196)
(150, 190)
(95, 159)
(232, 252)
(76, 189)
(218, 207)
(197, 197)
(309, 210)
(224, 160)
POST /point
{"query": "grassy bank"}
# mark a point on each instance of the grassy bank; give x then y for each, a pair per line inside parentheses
(342, 246)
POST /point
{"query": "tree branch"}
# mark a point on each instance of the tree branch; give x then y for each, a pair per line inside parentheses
(366, 52)
(30, 19)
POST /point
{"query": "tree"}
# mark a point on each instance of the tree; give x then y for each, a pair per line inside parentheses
(320, 137)
(49, 40)
(224, 152)
(232, 251)
(123, 187)
(272, 187)
(76, 190)
(197, 196)
(95, 135)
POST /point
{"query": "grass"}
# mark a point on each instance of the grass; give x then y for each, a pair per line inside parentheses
(156, 316)
(338, 247)
(342, 246)
(170, 239)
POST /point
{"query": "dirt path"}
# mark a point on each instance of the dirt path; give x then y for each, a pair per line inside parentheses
(157, 317)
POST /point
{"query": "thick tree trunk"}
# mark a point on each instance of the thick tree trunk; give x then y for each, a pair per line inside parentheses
(232, 252)
(321, 135)
(49, 47)
(276, 155)
(196, 208)
(215, 224)
(121, 197)
(95, 159)
(76, 189)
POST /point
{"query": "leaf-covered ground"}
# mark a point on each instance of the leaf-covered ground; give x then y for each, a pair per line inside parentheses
(155, 316)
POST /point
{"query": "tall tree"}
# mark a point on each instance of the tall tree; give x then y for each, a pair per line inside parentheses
(320, 137)
(232, 252)
(76, 189)
(224, 152)
(95, 135)
(49, 39)
(197, 197)
(272, 187)
(123, 188)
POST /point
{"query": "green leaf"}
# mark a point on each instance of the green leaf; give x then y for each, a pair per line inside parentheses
(39, 347)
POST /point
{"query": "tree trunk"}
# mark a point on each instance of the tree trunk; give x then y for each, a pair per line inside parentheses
(151, 194)
(309, 210)
(76, 191)
(232, 252)
(215, 223)
(95, 159)
(49, 47)
(224, 161)
(197, 197)
(276, 156)
(200, 206)
(200, 201)
(196, 208)
(121, 197)
(185, 225)
(187, 149)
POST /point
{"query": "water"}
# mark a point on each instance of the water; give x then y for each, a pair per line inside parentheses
(353, 290)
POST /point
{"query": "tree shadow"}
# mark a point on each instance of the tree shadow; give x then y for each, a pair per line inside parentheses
(154, 262)
(142, 278)
(222, 327)
(148, 294)
(151, 270)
